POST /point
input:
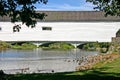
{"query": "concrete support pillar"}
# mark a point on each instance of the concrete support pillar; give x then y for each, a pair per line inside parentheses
(37, 43)
(75, 45)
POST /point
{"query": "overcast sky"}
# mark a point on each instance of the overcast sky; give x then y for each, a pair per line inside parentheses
(66, 5)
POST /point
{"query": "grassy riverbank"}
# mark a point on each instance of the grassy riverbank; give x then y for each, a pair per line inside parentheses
(29, 45)
(18, 45)
(108, 71)
(23, 45)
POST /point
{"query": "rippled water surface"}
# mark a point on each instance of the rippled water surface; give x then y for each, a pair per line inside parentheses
(39, 60)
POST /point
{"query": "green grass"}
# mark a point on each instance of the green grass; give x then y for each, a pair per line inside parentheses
(109, 71)
(113, 67)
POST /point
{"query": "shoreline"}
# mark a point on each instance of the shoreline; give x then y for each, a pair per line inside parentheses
(87, 62)
(73, 63)
(90, 61)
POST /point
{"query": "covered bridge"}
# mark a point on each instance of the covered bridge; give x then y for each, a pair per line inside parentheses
(76, 26)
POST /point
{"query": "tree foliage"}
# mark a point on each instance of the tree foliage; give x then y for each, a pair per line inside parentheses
(102, 47)
(21, 10)
(110, 7)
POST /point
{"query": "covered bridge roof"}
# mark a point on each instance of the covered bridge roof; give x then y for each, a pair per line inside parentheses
(77, 16)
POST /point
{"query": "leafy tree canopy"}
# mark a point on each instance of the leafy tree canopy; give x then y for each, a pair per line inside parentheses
(21, 10)
(110, 7)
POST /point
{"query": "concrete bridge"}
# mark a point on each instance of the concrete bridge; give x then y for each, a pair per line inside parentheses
(38, 43)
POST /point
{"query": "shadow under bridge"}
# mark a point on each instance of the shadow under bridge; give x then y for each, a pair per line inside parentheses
(74, 43)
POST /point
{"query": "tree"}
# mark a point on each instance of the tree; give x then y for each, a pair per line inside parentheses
(21, 10)
(110, 7)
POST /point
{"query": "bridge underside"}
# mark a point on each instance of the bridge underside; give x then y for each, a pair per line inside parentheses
(38, 43)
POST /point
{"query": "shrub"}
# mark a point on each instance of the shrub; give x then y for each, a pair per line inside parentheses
(24, 45)
(4, 45)
(58, 45)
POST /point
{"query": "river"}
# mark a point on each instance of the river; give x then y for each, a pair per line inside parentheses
(40, 61)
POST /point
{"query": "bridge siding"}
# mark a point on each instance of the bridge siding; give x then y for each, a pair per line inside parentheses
(61, 31)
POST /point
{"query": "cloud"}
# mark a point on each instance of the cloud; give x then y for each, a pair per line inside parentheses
(68, 7)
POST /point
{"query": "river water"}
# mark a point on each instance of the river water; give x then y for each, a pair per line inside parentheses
(40, 61)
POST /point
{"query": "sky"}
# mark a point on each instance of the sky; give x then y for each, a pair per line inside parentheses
(66, 5)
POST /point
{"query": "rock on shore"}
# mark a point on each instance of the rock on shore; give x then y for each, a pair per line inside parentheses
(91, 60)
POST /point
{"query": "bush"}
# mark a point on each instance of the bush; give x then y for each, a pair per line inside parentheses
(24, 45)
(96, 46)
(58, 45)
(4, 45)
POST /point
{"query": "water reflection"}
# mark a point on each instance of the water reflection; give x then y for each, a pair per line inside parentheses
(42, 60)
